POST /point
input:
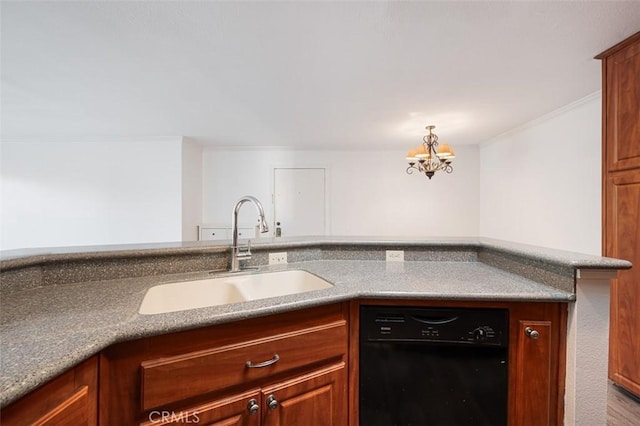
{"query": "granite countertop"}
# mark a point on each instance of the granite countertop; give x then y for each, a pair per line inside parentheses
(26, 257)
(47, 329)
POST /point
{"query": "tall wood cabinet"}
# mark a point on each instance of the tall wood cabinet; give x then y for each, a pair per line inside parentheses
(621, 203)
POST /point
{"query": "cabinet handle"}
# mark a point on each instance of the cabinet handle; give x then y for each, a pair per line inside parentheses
(272, 402)
(272, 361)
(531, 333)
(253, 407)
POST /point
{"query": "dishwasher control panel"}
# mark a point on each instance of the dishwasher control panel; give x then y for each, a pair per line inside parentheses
(470, 326)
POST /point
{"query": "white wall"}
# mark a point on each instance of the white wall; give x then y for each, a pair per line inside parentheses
(541, 184)
(84, 193)
(588, 350)
(191, 189)
(368, 192)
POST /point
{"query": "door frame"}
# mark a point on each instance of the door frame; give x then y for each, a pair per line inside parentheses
(327, 191)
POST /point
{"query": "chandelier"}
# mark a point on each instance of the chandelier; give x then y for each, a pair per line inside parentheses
(430, 157)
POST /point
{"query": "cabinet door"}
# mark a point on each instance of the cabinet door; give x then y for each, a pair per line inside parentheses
(622, 108)
(315, 399)
(533, 401)
(622, 229)
(222, 234)
(213, 234)
(71, 399)
(236, 410)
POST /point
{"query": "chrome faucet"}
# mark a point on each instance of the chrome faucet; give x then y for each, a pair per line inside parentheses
(237, 253)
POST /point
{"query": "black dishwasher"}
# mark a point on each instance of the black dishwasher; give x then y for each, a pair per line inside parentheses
(433, 366)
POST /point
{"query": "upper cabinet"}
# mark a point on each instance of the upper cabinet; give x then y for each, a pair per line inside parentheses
(621, 104)
(621, 204)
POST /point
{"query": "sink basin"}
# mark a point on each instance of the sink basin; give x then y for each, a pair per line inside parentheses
(227, 289)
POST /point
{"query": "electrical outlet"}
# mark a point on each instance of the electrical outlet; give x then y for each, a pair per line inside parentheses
(395, 255)
(277, 258)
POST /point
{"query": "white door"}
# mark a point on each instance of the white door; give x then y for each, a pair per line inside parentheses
(299, 202)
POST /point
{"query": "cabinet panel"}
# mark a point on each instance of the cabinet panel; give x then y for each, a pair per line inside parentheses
(70, 399)
(622, 109)
(534, 373)
(623, 241)
(315, 399)
(70, 412)
(167, 380)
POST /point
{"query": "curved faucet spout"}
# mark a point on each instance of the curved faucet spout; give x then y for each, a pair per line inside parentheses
(236, 253)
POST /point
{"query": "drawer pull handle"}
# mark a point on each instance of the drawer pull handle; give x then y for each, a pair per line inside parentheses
(272, 361)
(531, 333)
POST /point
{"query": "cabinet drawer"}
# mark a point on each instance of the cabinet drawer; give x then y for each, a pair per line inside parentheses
(213, 234)
(218, 234)
(172, 379)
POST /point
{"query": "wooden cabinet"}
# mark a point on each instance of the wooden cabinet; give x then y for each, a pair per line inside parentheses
(235, 410)
(70, 399)
(534, 374)
(623, 241)
(536, 358)
(621, 105)
(261, 371)
(315, 399)
(279, 370)
(621, 204)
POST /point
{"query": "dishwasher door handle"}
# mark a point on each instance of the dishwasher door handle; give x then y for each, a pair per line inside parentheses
(434, 320)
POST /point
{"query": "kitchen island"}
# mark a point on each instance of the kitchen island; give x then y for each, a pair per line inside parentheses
(62, 307)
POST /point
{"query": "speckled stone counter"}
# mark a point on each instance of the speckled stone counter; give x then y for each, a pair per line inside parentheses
(60, 308)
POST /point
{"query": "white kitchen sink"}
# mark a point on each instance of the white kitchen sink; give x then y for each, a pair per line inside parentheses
(184, 295)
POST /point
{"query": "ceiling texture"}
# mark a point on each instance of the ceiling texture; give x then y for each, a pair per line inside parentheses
(305, 74)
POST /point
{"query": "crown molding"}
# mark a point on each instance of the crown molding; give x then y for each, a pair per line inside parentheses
(544, 118)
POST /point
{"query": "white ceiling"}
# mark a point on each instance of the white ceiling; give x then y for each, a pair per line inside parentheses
(304, 74)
